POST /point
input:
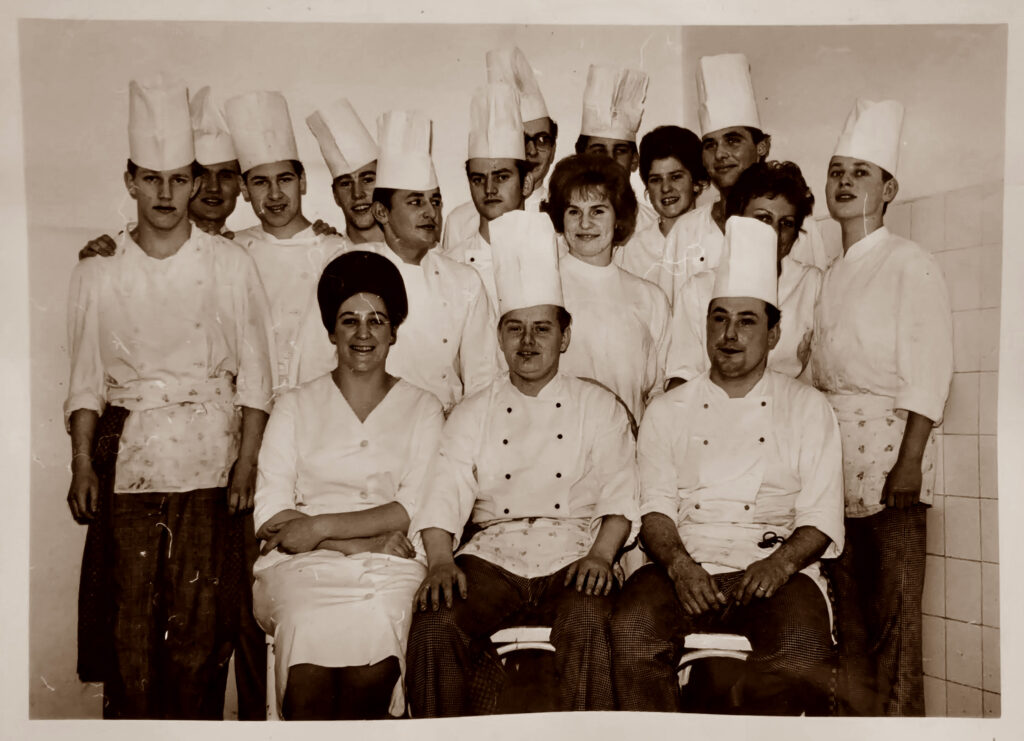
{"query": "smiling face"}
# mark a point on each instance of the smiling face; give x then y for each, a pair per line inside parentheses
(726, 153)
(589, 224)
(622, 151)
(531, 341)
(218, 192)
(362, 333)
(670, 188)
(275, 192)
(780, 215)
(494, 185)
(738, 338)
(353, 192)
(162, 196)
(540, 146)
(413, 221)
(854, 189)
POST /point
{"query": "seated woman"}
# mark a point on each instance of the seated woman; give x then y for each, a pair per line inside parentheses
(674, 175)
(777, 194)
(620, 322)
(341, 469)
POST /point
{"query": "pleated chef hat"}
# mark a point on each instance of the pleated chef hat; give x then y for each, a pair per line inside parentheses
(344, 141)
(404, 162)
(495, 125)
(510, 66)
(872, 133)
(525, 256)
(210, 131)
(261, 128)
(158, 117)
(725, 93)
(748, 267)
(613, 102)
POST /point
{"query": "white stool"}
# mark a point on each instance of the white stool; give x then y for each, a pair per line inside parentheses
(273, 712)
(697, 646)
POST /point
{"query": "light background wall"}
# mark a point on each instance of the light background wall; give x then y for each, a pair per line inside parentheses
(74, 99)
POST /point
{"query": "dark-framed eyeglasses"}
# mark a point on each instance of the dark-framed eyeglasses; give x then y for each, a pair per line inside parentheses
(542, 140)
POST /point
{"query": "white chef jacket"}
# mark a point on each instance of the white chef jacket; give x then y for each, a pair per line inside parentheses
(644, 256)
(290, 269)
(475, 251)
(883, 343)
(799, 286)
(182, 342)
(727, 471)
(542, 471)
(620, 330)
(464, 220)
(318, 458)
(448, 344)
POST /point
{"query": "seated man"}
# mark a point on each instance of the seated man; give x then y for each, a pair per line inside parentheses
(542, 464)
(741, 494)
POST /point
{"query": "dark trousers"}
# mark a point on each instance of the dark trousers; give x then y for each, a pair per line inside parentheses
(171, 632)
(250, 642)
(787, 672)
(452, 665)
(879, 584)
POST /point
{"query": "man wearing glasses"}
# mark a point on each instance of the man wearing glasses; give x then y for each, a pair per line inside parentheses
(540, 135)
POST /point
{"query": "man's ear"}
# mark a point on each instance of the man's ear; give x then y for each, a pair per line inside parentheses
(129, 184)
(380, 214)
(774, 334)
(634, 162)
(566, 336)
(302, 184)
(529, 183)
(244, 189)
(764, 147)
(889, 190)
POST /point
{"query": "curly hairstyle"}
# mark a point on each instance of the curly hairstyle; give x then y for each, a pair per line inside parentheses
(592, 173)
(771, 180)
(673, 141)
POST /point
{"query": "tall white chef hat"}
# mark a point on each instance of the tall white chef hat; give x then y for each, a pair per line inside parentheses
(872, 133)
(725, 94)
(749, 266)
(495, 125)
(510, 66)
(261, 128)
(404, 162)
(525, 256)
(344, 141)
(613, 102)
(158, 117)
(212, 138)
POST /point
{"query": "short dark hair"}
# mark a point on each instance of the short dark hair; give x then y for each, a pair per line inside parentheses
(774, 314)
(197, 169)
(589, 172)
(564, 319)
(771, 180)
(383, 196)
(756, 134)
(584, 140)
(672, 141)
(886, 177)
(296, 167)
(554, 128)
(522, 167)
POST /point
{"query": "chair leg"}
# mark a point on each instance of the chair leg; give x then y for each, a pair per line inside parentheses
(272, 709)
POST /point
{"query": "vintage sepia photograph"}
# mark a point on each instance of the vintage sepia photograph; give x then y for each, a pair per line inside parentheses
(410, 370)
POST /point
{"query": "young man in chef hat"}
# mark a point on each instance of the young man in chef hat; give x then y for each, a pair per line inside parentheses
(540, 134)
(288, 253)
(447, 344)
(220, 181)
(733, 140)
(499, 175)
(541, 465)
(883, 353)
(741, 495)
(351, 156)
(613, 106)
(170, 341)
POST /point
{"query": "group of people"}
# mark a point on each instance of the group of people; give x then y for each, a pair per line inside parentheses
(627, 420)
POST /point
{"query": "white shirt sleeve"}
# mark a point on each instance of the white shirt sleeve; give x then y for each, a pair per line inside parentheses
(478, 346)
(86, 386)
(277, 467)
(426, 439)
(613, 453)
(656, 461)
(254, 384)
(819, 503)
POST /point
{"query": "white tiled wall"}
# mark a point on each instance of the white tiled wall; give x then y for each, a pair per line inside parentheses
(963, 229)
